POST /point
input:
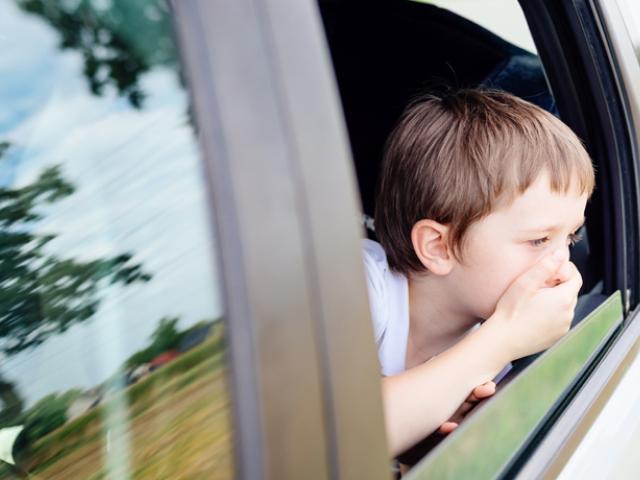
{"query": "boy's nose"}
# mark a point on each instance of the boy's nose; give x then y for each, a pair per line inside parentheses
(567, 253)
(559, 277)
(563, 252)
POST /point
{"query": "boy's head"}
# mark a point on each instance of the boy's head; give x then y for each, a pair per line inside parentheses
(457, 164)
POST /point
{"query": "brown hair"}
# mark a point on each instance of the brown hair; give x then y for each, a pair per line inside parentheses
(452, 158)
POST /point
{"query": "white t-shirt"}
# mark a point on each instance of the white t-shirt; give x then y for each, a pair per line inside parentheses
(389, 305)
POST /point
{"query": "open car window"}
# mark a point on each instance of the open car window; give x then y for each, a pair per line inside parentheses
(409, 48)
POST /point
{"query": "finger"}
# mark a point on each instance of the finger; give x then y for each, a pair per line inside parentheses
(447, 427)
(566, 271)
(482, 391)
(572, 285)
(540, 272)
(562, 275)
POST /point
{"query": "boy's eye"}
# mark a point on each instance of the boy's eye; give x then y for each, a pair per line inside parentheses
(572, 239)
(539, 241)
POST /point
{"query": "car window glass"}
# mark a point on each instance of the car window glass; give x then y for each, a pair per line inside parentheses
(111, 329)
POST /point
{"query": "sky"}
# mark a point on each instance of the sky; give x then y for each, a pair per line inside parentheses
(139, 188)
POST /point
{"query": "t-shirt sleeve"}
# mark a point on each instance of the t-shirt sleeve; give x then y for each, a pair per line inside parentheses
(375, 265)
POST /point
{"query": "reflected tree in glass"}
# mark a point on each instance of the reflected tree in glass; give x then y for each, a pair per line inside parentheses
(42, 294)
(106, 33)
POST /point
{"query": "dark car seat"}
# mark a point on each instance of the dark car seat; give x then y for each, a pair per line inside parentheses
(385, 53)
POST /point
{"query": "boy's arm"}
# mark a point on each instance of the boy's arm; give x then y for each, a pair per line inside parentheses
(529, 317)
(418, 401)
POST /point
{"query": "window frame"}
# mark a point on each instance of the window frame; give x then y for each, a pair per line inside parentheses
(291, 261)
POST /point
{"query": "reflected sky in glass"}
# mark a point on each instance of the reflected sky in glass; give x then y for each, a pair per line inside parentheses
(139, 189)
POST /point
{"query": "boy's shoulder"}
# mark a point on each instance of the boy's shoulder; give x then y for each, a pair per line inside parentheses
(389, 306)
(375, 261)
(384, 284)
(374, 251)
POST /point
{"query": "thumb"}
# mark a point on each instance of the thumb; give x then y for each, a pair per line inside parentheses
(544, 269)
(448, 427)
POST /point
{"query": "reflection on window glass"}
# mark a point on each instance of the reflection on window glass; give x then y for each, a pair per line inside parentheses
(111, 336)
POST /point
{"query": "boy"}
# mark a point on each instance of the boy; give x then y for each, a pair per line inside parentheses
(481, 194)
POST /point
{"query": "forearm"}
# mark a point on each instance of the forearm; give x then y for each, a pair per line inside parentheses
(418, 401)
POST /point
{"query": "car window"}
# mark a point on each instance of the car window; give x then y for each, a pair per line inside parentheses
(406, 49)
(112, 326)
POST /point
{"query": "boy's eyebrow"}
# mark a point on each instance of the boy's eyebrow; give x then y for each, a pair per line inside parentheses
(551, 228)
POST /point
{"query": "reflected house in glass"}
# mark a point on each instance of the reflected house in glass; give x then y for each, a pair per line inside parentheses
(163, 359)
(194, 337)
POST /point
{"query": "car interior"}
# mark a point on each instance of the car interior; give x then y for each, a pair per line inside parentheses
(399, 50)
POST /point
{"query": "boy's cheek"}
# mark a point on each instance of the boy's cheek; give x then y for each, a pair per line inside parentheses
(484, 282)
(501, 283)
(486, 297)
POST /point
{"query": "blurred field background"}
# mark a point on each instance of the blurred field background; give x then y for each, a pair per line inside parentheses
(176, 426)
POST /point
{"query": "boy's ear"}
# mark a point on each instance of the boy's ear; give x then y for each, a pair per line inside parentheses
(431, 243)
